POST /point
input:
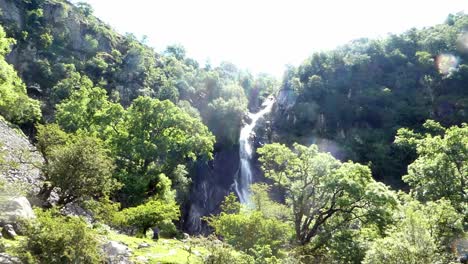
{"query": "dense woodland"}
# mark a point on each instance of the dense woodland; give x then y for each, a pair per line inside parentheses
(122, 128)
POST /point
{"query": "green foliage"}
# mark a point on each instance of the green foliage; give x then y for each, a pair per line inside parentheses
(359, 94)
(225, 117)
(177, 51)
(53, 238)
(64, 88)
(15, 105)
(88, 109)
(104, 210)
(245, 230)
(78, 165)
(222, 253)
(154, 137)
(324, 194)
(422, 235)
(181, 183)
(150, 214)
(46, 40)
(441, 167)
(252, 230)
(231, 204)
(49, 137)
(262, 202)
(85, 8)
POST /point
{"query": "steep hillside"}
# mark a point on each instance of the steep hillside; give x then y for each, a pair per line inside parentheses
(352, 100)
(61, 48)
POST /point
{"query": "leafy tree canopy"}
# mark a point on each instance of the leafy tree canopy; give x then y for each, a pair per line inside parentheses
(322, 191)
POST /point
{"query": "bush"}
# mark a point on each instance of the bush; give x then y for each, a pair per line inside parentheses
(150, 214)
(222, 253)
(81, 168)
(53, 238)
(248, 230)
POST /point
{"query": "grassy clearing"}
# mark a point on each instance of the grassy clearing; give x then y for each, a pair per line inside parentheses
(162, 251)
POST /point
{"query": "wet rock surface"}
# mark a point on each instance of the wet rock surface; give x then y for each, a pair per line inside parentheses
(213, 181)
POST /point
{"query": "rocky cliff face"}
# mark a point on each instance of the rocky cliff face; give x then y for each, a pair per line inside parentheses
(20, 160)
(214, 180)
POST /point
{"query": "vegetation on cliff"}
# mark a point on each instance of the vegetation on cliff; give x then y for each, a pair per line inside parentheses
(123, 131)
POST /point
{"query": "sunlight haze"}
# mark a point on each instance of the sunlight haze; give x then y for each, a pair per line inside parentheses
(264, 36)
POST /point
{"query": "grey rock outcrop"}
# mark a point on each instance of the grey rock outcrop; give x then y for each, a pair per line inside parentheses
(212, 182)
(21, 162)
(117, 253)
(8, 232)
(75, 209)
(13, 209)
(7, 259)
(286, 99)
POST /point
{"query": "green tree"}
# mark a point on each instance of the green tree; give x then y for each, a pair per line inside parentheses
(53, 238)
(224, 118)
(149, 214)
(80, 168)
(15, 105)
(73, 82)
(422, 234)
(441, 167)
(247, 229)
(257, 230)
(323, 191)
(262, 202)
(89, 110)
(154, 137)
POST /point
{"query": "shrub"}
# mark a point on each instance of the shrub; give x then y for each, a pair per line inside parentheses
(149, 214)
(53, 238)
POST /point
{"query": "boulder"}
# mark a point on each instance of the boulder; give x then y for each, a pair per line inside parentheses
(7, 259)
(8, 232)
(142, 259)
(117, 253)
(13, 209)
(143, 245)
(75, 209)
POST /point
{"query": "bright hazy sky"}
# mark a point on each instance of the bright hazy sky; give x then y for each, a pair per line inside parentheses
(265, 35)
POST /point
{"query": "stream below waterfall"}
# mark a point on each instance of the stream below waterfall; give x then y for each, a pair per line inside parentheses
(244, 176)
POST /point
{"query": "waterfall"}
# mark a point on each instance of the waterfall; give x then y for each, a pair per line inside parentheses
(244, 176)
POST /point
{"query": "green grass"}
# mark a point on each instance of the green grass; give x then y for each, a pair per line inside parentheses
(161, 251)
(12, 246)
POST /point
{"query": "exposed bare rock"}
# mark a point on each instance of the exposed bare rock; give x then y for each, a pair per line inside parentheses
(7, 259)
(21, 160)
(8, 232)
(14, 208)
(117, 253)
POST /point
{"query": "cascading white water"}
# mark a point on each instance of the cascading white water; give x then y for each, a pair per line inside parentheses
(245, 177)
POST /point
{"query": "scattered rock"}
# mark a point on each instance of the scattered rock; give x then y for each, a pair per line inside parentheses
(143, 245)
(7, 259)
(8, 232)
(24, 158)
(13, 209)
(186, 236)
(142, 259)
(117, 253)
(74, 209)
